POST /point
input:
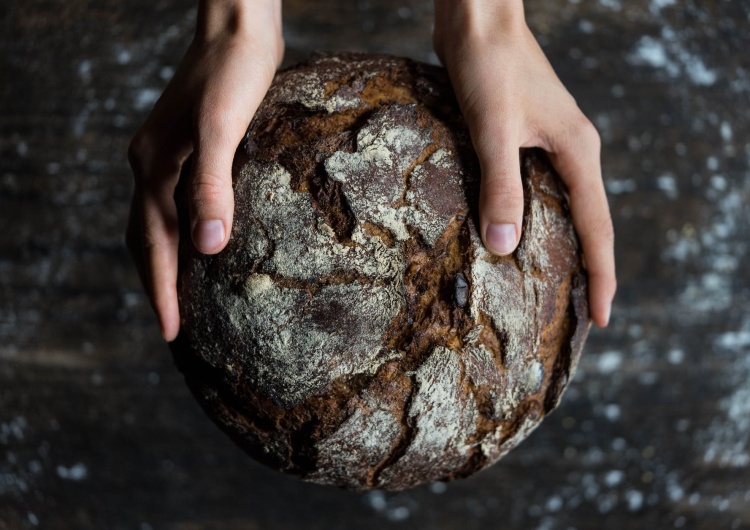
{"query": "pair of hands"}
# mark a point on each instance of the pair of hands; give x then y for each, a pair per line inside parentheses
(507, 90)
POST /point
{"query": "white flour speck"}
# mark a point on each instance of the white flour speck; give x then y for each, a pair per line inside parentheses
(676, 356)
(726, 131)
(400, 513)
(612, 412)
(438, 488)
(614, 5)
(657, 5)
(554, 503)
(613, 478)
(609, 362)
(146, 98)
(76, 472)
(618, 187)
(377, 500)
(634, 499)
(651, 52)
(668, 185)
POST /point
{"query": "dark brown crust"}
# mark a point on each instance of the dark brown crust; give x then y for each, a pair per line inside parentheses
(437, 279)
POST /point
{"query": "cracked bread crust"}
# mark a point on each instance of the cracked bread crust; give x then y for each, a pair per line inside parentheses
(355, 331)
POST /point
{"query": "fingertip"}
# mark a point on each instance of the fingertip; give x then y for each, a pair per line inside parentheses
(168, 313)
(601, 317)
(169, 331)
(601, 297)
(501, 238)
(209, 236)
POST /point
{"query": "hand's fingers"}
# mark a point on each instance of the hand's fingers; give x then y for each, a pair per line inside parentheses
(153, 232)
(576, 157)
(160, 238)
(219, 125)
(133, 241)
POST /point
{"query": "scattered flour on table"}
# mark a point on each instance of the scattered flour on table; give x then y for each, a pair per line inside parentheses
(727, 441)
(669, 53)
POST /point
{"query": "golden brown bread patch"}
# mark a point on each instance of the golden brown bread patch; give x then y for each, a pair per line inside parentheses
(355, 331)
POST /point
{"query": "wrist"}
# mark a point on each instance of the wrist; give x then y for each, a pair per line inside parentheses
(223, 18)
(458, 20)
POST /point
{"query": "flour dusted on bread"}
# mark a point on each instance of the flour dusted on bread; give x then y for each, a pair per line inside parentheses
(355, 331)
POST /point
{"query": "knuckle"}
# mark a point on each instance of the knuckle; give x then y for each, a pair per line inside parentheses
(280, 48)
(600, 234)
(220, 129)
(150, 241)
(208, 189)
(213, 119)
(606, 231)
(612, 285)
(137, 147)
(140, 152)
(586, 134)
(503, 199)
(501, 194)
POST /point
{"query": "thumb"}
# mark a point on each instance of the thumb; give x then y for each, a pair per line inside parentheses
(500, 196)
(210, 197)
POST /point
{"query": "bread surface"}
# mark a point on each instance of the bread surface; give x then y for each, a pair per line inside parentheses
(355, 331)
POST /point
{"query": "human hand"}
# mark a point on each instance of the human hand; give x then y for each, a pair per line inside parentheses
(511, 98)
(205, 109)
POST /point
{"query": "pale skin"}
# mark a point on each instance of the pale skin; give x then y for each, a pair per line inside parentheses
(508, 92)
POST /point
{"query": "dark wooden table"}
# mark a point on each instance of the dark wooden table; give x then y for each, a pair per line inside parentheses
(97, 429)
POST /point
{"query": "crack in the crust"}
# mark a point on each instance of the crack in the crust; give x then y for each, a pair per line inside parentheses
(403, 441)
(330, 200)
(304, 455)
(340, 277)
(494, 340)
(430, 318)
(423, 156)
(485, 413)
(560, 372)
(383, 233)
(528, 408)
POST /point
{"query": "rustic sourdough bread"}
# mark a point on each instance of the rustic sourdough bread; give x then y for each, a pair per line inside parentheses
(355, 331)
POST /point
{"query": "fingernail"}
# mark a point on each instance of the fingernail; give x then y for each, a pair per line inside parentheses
(501, 239)
(208, 235)
(606, 315)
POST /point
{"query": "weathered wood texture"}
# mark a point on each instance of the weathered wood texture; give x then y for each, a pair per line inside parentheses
(97, 429)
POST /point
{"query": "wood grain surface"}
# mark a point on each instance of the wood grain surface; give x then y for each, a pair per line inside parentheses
(97, 428)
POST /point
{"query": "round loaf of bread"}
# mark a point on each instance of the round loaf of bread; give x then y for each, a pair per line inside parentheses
(355, 331)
